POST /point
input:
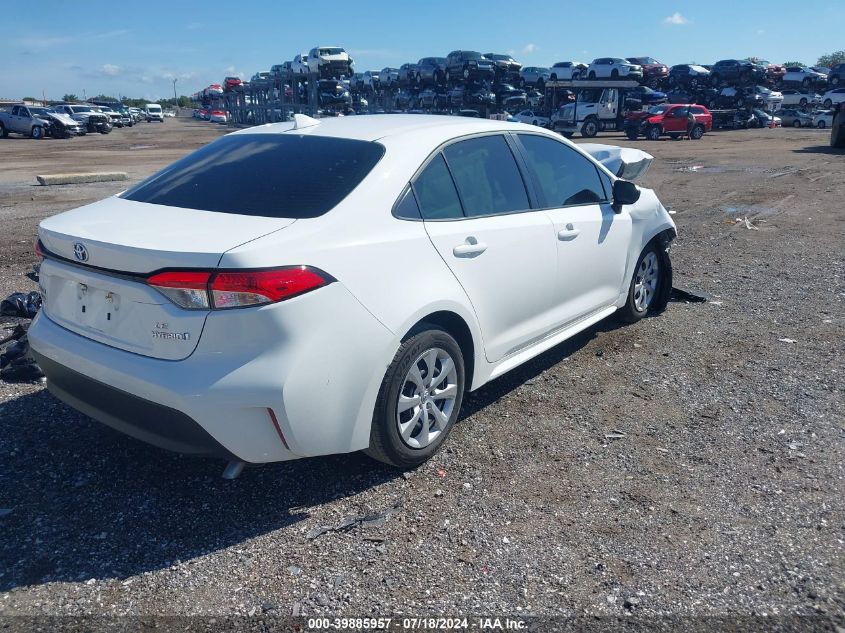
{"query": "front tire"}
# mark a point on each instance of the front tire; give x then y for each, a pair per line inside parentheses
(653, 133)
(645, 284)
(828, 104)
(37, 132)
(590, 128)
(419, 399)
(821, 125)
(4, 133)
(796, 123)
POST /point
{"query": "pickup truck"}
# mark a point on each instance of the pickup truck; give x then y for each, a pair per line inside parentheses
(92, 120)
(20, 121)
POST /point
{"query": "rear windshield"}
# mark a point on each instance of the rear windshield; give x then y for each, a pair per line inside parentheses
(269, 175)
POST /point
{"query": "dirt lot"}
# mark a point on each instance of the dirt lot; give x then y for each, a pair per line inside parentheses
(721, 496)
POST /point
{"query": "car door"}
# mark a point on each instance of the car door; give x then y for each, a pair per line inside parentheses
(20, 120)
(675, 120)
(591, 238)
(477, 213)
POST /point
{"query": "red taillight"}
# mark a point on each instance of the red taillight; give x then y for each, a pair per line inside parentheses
(39, 249)
(245, 288)
(204, 290)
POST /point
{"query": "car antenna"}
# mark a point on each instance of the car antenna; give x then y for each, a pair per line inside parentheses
(303, 120)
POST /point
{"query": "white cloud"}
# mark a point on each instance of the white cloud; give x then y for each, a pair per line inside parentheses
(111, 70)
(528, 49)
(676, 18)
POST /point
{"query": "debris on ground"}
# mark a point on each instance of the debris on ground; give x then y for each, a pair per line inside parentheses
(372, 520)
(688, 296)
(22, 305)
(16, 362)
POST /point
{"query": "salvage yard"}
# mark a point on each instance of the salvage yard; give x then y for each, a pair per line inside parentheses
(688, 465)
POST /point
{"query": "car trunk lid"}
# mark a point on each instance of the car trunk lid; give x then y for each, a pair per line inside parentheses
(99, 256)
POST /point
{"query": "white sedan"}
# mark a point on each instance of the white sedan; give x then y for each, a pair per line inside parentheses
(833, 97)
(318, 287)
(531, 118)
(823, 119)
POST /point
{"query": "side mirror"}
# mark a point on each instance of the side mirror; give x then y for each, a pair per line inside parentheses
(624, 192)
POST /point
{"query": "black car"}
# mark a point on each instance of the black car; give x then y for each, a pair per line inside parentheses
(509, 97)
(836, 76)
(688, 75)
(737, 71)
(407, 74)
(505, 66)
(431, 70)
(468, 65)
(333, 94)
(404, 99)
(430, 99)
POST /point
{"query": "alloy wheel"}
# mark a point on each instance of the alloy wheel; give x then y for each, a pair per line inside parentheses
(645, 282)
(427, 398)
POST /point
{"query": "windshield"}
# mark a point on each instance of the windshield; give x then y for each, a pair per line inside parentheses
(658, 109)
(643, 60)
(82, 109)
(331, 51)
(41, 111)
(699, 69)
(471, 55)
(267, 175)
(153, 108)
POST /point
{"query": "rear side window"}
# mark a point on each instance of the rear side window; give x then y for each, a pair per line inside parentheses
(269, 175)
(697, 110)
(486, 175)
(565, 177)
(436, 193)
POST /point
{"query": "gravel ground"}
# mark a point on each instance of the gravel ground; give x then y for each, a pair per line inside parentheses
(687, 466)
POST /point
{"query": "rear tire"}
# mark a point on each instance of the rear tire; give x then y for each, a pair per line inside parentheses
(821, 125)
(645, 284)
(696, 133)
(4, 133)
(796, 123)
(407, 437)
(828, 104)
(632, 135)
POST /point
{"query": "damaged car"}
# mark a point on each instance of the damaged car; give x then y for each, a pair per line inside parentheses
(220, 336)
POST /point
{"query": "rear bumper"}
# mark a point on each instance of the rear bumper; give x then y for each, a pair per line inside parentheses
(142, 419)
(316, 361)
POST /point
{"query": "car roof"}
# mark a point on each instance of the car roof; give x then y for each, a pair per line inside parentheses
(436, 128)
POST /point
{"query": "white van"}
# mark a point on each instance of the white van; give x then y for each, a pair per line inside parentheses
(153, 112)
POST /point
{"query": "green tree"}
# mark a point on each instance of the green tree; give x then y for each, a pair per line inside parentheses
(831, 59)
(788, 64)
(70, 97)
(29, 99)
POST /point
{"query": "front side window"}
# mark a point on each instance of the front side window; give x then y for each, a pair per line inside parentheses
(564, 176)
(267, 175)
(487, 176)
(435, 192)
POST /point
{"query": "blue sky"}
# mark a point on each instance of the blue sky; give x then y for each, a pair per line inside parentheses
(117, 48)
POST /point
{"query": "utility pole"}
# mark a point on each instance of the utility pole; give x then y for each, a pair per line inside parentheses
(175, 98)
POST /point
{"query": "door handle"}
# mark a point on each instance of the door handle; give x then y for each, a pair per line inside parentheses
(470, 248)
(569, 233)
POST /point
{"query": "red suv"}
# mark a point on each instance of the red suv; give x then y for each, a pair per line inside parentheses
(669, 119)
(231, 82)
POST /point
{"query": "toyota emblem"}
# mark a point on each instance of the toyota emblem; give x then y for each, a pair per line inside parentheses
(80, 252)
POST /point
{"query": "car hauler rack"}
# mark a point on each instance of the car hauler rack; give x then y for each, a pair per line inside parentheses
(272, 100)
